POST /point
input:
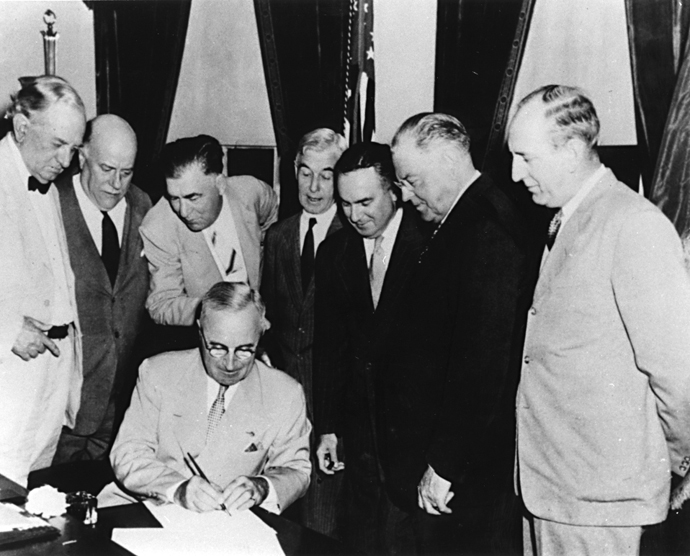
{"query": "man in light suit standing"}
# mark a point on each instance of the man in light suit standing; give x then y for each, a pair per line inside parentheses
(209, 228)
(40, 359)
(243, 423)
(102, 211)
(603, 406)
(287, 287)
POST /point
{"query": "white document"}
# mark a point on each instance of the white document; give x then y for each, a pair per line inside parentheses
(186, 532)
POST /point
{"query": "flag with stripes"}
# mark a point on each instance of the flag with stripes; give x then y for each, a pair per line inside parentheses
(360, 121)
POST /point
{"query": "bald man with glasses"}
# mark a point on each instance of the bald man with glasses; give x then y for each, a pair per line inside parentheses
(243, 423)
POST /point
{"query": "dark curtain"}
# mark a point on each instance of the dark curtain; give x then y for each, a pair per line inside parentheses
(474, 42)
(303, 50)
(651, 43)
(670, 189)
(139, 46)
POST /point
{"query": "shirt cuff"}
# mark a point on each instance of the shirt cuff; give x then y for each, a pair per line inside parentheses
(170, 493)
(270, 503)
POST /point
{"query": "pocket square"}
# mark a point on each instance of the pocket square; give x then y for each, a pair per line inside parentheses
(252, 448)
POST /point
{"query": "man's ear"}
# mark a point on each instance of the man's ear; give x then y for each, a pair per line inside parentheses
(575, 151)
(82, 156)
(20, 125)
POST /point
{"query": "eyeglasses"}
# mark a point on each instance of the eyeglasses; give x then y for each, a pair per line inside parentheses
(218, 351)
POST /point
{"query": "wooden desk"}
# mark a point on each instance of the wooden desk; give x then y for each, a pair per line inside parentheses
(77, 539)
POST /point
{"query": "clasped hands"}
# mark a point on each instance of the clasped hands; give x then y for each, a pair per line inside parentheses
(199, 495)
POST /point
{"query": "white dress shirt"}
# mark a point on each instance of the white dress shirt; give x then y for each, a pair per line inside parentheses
(94, 218)
(388, 241)
(320, 229)
(50, 223)
(221, 238)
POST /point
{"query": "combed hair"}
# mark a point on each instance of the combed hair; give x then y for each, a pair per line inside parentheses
(235, 296)
(428, 127)
(361, 156)
(39, 93)
(571, 111)
(179, 155)
(320, 140)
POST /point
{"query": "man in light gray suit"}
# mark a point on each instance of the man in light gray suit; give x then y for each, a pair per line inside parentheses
(209, 228)
(603, 406)
(102, 211)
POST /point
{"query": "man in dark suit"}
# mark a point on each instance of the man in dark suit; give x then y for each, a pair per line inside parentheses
(287, 287)
(360, 274)
(102, 211)
(448, 387)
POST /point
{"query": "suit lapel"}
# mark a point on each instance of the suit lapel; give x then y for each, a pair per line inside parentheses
(565, 249)
(189, 408)
(292, 262)
(354, 272)
(127, 256)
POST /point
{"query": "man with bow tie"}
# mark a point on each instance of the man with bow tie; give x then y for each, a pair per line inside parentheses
(217, 409)
(40, 355)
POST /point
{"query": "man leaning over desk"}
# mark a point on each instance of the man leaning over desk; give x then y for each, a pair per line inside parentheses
(242, 422)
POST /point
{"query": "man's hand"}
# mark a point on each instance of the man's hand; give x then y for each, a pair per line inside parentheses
(433, 493)
(327, 454)
(245, 492)
(32, 340)
(198, 495)
(681, 493)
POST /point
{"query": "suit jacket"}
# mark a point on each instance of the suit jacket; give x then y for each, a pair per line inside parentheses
(111, 316)
(168, 418)
(604, 401)
(26, 275)
(289, 310)
(451, 372)
(350, 333)
(181, 264)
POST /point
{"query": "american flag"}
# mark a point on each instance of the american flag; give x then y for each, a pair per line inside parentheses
(360, 121)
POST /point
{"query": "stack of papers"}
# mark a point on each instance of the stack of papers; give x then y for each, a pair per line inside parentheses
(186, 532)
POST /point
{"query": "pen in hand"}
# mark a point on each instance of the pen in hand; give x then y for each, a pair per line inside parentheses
(196, 470)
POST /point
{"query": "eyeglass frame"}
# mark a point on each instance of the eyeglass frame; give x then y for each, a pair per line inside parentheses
(225, 350)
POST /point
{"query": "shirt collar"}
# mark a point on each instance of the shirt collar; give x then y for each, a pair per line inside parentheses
(474, 178)
(571, 206)
(322, 218)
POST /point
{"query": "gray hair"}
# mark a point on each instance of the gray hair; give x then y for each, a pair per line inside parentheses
(40, 93)
(572, 112)
(235, 296)
(428, 127)
(320, 140)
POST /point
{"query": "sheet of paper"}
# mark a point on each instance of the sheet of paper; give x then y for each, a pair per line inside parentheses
(210, 533)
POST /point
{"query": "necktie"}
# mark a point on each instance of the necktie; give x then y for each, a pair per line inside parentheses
(554, 226)
(215, 241)
(110, 251)
(308, 256)
(377, 270)
(35, 185)
(216, 413)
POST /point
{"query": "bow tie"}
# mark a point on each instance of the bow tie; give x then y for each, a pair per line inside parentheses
(35, 185)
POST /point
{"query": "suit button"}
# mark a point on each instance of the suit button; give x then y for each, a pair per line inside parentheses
(526, 359)
(533, 311)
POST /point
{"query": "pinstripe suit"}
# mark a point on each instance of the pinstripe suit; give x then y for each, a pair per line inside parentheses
(289, 344)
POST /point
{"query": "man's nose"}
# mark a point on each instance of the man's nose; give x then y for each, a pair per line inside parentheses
(406, 194)
(314, 185)
(116, 182)
(64, 156)
(356, 213)
(185, 209)
(517, 170)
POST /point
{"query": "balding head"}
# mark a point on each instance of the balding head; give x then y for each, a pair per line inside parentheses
(107, 160)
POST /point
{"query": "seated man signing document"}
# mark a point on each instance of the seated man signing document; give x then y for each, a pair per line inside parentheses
(243, 424)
